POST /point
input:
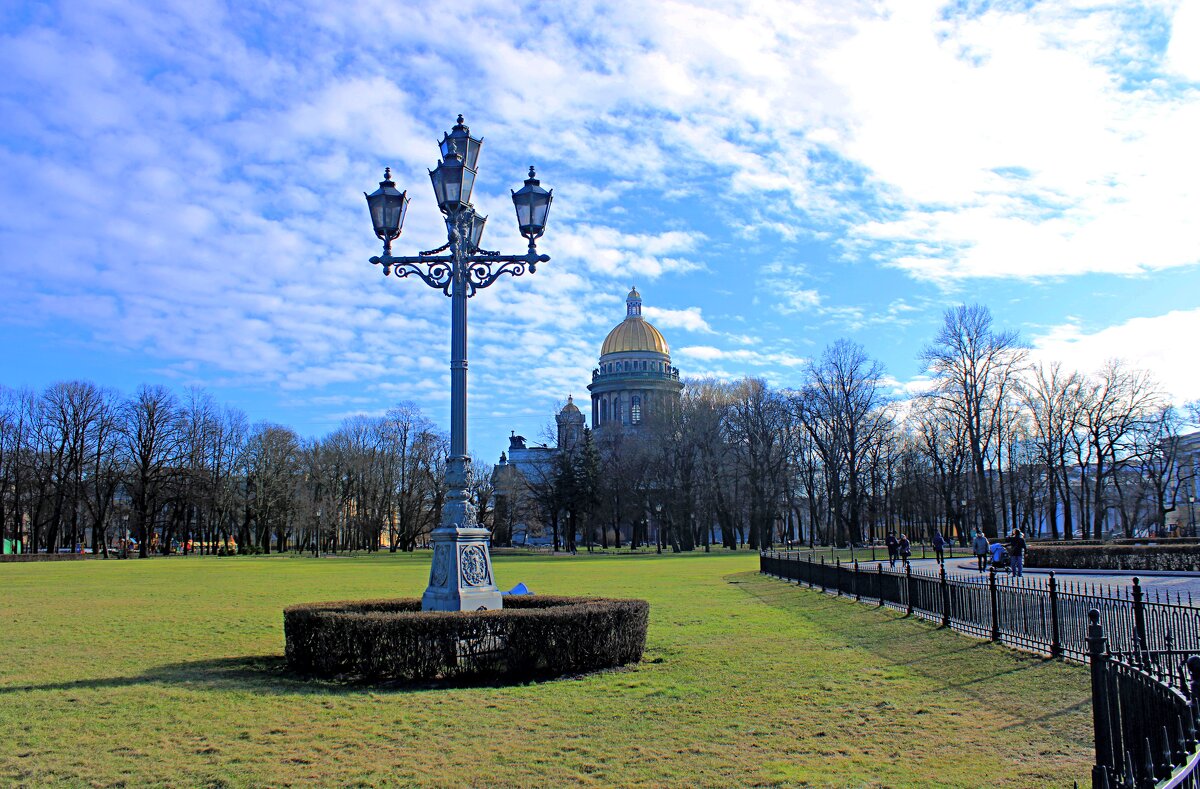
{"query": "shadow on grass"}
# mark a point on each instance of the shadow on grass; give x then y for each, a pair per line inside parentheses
(1023, 685)
(267, 674)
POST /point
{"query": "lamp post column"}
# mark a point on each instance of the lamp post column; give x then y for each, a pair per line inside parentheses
(458, 352)
(460, 575)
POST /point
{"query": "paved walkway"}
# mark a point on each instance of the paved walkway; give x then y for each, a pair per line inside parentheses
(1182, 584)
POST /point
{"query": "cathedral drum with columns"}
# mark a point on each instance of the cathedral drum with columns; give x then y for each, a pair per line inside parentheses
(635, 377)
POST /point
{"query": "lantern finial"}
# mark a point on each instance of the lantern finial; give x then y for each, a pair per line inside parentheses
(531, 173)
(460, 119)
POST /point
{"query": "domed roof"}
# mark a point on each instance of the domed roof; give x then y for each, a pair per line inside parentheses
(570, 407)
(634, 333)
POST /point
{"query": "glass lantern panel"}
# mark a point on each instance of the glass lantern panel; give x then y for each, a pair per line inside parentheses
(468, 183)
(523, 211)
(451, 187)
(477, 231)
(393, 214)
(541, 205)
(472, 153)
(439, 185)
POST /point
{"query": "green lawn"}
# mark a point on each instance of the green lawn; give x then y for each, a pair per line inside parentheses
(168, 672)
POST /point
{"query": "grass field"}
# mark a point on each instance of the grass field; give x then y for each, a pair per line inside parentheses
(168, 672)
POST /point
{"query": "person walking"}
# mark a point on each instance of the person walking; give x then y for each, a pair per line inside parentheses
(1016, 550)
(939, 546)
(980, 546)
(905, 548)
(893, 547)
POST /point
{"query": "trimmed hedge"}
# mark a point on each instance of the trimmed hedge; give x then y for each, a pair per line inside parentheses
(1114, 557)
(530, 637)
(1126, 541)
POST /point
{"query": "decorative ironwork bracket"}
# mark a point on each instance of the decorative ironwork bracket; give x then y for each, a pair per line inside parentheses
(476, 272)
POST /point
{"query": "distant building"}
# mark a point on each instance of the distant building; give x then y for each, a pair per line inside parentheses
(633, 379)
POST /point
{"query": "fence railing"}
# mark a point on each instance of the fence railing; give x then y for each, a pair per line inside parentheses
(1016, 611)
(1143, 654)
(1145, 715)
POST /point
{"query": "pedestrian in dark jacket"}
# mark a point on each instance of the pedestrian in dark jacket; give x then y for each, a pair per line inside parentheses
(1016, 550)
(905, 548)
(939, 545)
(980, 546)
(893, 546)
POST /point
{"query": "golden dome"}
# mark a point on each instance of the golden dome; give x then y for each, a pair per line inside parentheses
(570, 407)
(634, 333)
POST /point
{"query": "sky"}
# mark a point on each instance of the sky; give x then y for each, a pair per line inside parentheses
(181, 191)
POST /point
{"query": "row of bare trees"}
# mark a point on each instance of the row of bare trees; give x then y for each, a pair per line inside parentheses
(994, 442)
(82, 465)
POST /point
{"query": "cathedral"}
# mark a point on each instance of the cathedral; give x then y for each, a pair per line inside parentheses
(632, 380)
(635, 376)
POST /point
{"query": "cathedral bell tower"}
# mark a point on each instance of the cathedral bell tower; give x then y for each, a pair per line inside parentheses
(570, 424)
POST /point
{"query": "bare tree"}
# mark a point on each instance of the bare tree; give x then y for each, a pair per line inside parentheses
(974, 366)
(1118, 400)
(842, 409)
(152, 441)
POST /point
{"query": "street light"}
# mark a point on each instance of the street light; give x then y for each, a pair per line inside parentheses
(963, 530)
(1191, 516)
(658, 528)
(460, 576)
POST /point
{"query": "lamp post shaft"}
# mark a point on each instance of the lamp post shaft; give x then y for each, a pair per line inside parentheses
(460, 575)
(458, 363)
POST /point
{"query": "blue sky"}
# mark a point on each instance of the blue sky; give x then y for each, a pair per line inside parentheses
(181, 190)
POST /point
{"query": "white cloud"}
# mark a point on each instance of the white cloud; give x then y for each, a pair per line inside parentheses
(1013, 145)
(1183, 53)
(1165, 345)
(743, 356)
(688, 319)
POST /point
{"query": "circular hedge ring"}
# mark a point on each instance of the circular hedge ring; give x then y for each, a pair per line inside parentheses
(530, 637)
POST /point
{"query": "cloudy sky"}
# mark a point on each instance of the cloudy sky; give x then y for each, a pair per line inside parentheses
(181, 190)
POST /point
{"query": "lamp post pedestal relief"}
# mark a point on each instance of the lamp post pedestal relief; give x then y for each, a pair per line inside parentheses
(460, 574)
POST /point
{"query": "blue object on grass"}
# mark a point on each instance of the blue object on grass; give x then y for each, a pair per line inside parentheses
(518, 589)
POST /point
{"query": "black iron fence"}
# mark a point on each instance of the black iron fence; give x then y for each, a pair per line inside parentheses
(1142, 652)
(1051, 619)
(1145, 715)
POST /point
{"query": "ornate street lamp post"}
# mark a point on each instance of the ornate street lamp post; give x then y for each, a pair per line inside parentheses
(460, 576)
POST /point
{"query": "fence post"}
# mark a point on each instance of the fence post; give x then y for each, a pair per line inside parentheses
(995, 598)
(822, 573)
(1193, 667)
(1098, 659)
(1055, 642)
(837, 575)
(879, 585)
(945, 598)
(857, 587)
(908, 586)
(1139, 616)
